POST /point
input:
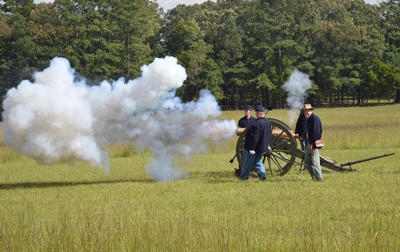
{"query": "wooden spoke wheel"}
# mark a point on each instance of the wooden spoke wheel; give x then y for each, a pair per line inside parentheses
(282, 149)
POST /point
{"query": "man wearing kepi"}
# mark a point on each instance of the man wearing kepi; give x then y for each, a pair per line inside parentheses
(314, 132)
(247, 119)
(255, 145)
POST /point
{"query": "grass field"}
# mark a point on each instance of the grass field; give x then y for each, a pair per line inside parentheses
(63, 208)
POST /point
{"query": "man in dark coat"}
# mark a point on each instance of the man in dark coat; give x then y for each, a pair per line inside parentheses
(247, 119)
(314, 132)
(255, 145)
(301, 130)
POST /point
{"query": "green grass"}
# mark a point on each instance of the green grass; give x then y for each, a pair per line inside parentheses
(63, 208)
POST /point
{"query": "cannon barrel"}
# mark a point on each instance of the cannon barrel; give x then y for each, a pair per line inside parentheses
(366, 159)
(275, 132)
(240, 131)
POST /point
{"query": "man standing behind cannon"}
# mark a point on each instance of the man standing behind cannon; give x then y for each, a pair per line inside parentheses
(301, 130)
(255, 145)
(314, 132)
(247, 119)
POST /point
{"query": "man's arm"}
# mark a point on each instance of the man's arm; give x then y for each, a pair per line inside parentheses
(314, 130)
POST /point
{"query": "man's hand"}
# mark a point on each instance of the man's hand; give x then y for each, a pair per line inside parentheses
(252, 152)
(310, 147)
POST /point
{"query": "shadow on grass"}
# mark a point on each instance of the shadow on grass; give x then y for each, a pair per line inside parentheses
(229, 176)
(217, 177)
(28, 185)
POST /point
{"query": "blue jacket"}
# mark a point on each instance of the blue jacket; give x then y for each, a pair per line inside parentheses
(258, 136)
(245, 123)
(301, 125)
(314, 129)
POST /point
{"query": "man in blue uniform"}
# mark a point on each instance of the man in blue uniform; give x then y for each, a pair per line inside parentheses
(255, 145)
(314, 132)
(301, 130)
(247, 119)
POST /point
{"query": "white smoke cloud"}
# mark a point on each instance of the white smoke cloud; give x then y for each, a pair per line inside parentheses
(57, 120)
(296, 87)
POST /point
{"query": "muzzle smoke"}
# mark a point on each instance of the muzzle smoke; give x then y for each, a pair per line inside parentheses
(56, 119)
(296, 87)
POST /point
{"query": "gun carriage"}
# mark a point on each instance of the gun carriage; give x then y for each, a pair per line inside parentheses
(283, 153)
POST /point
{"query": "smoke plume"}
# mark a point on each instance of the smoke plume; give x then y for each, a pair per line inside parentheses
(296, 87)
(56, 119)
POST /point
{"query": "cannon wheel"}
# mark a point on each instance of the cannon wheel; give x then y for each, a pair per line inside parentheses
(282, 144)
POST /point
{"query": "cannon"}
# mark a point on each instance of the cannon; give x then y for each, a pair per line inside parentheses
(283, 153)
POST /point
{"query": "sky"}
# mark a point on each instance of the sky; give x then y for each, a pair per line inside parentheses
(170, 4)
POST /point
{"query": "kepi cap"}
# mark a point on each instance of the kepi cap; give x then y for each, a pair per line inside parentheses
(248, 107)
(307, 106)
(260, 109)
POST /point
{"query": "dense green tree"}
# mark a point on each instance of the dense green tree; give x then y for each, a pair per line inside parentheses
(18, 50)
(384, 79)
(195, 59)
(277, 41)
(390, 12)
(213, 79)
(242, 51)
(47, 33)
(184, 34)
(337, 40)
(88, 47)
(109, 39)
(392, 57)
(138, 22)
(185, 39)
(372, 47)
(23, 7)
(230, 53)
(6, 79)
(210, 18)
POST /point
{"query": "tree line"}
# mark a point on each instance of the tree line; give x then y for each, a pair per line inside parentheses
(243, 51)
